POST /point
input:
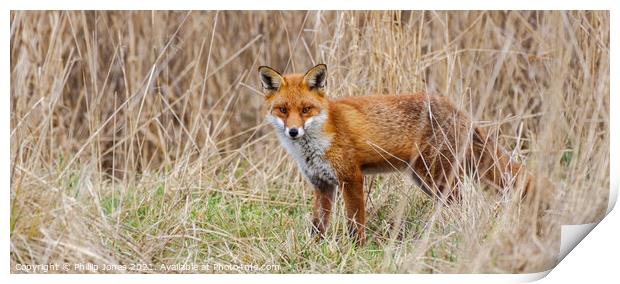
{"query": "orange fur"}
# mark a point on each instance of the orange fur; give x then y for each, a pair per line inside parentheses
(424, 135)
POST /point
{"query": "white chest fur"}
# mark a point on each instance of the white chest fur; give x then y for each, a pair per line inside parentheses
(309, 151)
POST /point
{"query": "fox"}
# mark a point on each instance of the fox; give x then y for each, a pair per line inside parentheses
(336, 142)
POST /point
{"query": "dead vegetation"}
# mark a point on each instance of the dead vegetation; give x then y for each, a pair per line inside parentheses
(138, 137)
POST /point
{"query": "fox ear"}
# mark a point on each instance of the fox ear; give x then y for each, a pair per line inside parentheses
(315, 77)
(270, 79)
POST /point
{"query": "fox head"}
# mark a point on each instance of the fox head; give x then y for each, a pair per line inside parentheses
(296, 103)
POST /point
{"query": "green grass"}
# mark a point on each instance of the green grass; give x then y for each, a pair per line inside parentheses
(205, 225)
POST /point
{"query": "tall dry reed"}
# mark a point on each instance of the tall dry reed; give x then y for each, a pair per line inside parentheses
(138, 137)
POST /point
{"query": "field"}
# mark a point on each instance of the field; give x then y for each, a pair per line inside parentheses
(138, 139)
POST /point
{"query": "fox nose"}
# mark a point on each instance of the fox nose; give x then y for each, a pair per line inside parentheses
(293, 132)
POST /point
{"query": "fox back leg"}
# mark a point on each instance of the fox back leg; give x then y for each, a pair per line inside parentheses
(434, 171)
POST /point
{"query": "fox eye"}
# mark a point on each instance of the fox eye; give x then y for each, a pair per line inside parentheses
(305, 110)
(283, 110)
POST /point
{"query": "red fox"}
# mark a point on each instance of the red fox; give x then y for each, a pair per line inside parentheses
(336, 142)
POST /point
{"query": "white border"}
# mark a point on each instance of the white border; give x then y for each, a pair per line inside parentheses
(614, 115)
(311, 5)
(585, 262)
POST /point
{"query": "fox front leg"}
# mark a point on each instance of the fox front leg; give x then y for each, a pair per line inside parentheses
(321, 210)
(353, 194)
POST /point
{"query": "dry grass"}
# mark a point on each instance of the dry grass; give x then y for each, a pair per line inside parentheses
(137, 138)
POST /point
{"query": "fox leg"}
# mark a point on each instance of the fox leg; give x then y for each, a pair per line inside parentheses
(496, 167)
(353, 193)
(321, 210)
(433, 173)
